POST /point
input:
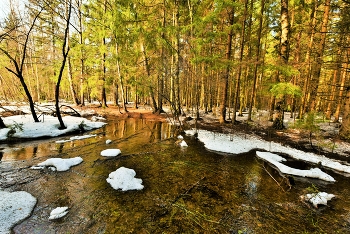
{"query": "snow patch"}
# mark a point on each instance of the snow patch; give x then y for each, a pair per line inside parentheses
(183, 143)
(59, 163)
(14, 207)
(235, 144)
(124, 178)
(110, 152)
(58, 212)
(25, 127)
(76, 138)
(316, 199)
(276, 159)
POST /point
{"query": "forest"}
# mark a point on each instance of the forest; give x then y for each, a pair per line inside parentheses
(230, 56)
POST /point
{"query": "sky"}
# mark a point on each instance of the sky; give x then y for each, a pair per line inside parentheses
(5, 6)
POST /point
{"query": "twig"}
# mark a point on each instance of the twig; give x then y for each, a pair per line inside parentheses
(188, 190)
(271, 176)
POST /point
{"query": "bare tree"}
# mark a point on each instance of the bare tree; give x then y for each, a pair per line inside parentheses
(18, 63)
(65, 51)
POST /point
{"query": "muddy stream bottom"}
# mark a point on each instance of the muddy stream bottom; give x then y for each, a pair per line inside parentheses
(186, 190)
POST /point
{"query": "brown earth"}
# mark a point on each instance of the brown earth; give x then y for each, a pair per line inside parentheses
(299, 139)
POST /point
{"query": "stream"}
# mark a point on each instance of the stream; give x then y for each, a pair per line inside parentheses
(186, 189)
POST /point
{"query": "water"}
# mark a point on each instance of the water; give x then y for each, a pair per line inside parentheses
(187, 190)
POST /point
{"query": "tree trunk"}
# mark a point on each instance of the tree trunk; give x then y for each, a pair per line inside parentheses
(150, 87)
(65, 51)
(2, 125)
(120, 78)
(81, 42)
(344, 130)
(315, 79)
(341, 93)
(336, 78)
(225, 76)
(257, 59)
(238, 81)
(71, 85)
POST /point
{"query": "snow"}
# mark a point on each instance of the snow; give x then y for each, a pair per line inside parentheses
(319, 198)
(276, 160)
(237, 144)
(124, 178)
(76, 138)
(58, 212)
(180, 137)
(25, 127)
(97, 118)
(183, 143)
(14, 207)
(59, 163)
(108, 141)
(110, 152)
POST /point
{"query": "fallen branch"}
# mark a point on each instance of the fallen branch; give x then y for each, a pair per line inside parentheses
(262, 166)
(71, 109)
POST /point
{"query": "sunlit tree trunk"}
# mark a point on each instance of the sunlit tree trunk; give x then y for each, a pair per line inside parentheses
(224, 78)
(79, 4)
(307, 71)
(238, 80)
(65, 51)
(120, 78)
(344, 130)
(341, 92)
(257, 59)
(150, 86)
(315, 78)
(336, 78)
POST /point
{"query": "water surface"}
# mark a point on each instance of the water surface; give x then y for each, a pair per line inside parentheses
(186, 190)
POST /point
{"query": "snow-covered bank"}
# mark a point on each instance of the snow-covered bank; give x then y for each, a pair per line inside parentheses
(14, 207)
(23, 126)
(237, 144)
(276, 160)
(59, 164)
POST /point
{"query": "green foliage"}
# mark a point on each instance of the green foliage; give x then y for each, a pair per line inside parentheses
(282, 89)
(312, 189)
(13, 129)
(309, 122)
(82, 126)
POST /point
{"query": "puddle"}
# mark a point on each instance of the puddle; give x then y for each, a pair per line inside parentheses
(186, 190)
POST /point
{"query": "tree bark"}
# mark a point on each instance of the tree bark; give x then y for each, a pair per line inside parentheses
(71, 85)
(2, 125)
(225, 76)
(65, 51)
(344, 130)
(238, 80)
(315, 79)
(257, 59)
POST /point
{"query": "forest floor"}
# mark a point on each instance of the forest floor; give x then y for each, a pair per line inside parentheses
(324, 139)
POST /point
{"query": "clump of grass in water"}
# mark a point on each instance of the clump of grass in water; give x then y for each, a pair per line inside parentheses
(13, 129)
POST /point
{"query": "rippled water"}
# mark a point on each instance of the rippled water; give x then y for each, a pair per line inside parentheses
(187, 190)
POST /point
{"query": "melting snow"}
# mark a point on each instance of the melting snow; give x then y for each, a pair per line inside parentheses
(276, 159)
(59, 163)
(111, 152)
(316, 199)
(58, 212)
(124, 178)
(14, 207)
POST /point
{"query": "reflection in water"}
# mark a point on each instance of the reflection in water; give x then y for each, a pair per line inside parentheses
(189, 190)
(116, 131)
